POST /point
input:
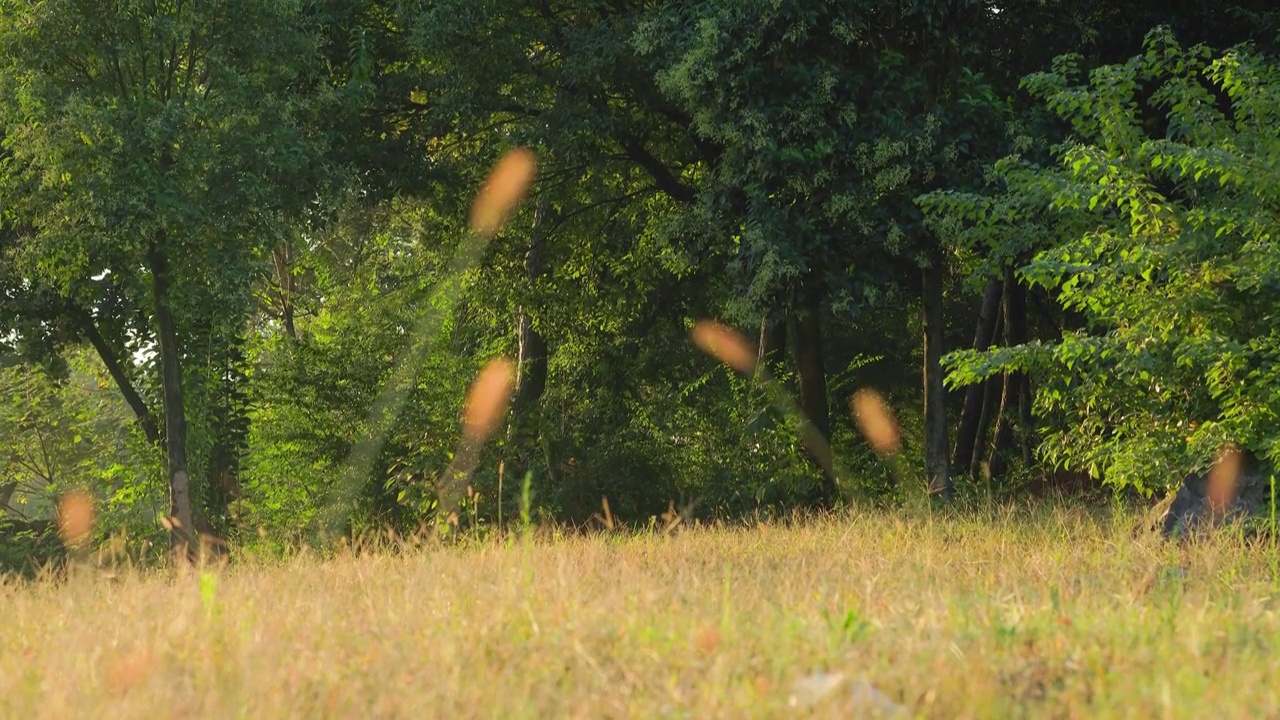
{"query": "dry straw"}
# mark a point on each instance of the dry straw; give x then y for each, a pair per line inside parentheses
(486, 404)
(726, 345)
(505, 187)
(488, 399)
(75, 519)
(1224, 480)
(876, 421)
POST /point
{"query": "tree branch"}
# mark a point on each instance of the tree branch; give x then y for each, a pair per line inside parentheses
(666, 182)
(116, 370)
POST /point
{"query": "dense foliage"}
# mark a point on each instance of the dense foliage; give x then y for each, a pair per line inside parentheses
(235, 232)
(1160, 233)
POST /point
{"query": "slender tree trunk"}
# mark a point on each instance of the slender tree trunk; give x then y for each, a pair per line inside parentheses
(1003, 437)
(531, 365)
(990, 403)
(1019, 335)
(1026, 422)
(282, 258)
(112, 362)
(990, 407)
(175, 430)
(230, 440)
(1015, 384)
(773, 343)
(970, 431)
(937, 477)
(812, 371)
(531, 362)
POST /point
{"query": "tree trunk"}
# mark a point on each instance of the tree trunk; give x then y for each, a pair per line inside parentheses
(1018, 335)
(990, 406)
(531, 361)
(1026, 422)
(990, 403)
(175, 430)
(813, 386)
(969, 433)
(1003, 438)
(112, 362)
(282, 258)
(1015, 384)
(935, 415)
(773, 344)
(230, 431)
(531, 365)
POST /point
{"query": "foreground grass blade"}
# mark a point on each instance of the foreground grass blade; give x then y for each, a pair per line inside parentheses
(486, 405)
(507, 184)
(75, 519)
(731, 348)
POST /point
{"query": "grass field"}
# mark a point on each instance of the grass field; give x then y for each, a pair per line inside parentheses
(1005, 613)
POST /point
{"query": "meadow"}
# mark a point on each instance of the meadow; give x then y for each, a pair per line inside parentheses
(1004, 612)
(242, 298)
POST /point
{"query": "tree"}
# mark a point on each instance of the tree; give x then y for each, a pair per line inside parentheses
(1163, 244)
(1020, 39)
(159, 145)
(830, 118)
(66, 428)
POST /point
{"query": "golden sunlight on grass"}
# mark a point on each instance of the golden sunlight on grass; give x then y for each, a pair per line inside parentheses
(128, 669)
(1004, 614)
(876, 422)
(502, 191)
(725, 345)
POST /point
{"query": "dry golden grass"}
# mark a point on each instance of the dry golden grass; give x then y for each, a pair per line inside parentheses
(1013, 614)
(487, 400)
(502, 191)
(875, 421)
(1224, 480)
(725, 344)
(75, 518)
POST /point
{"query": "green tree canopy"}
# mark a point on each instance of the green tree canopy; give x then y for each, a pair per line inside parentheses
(1165, 245)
